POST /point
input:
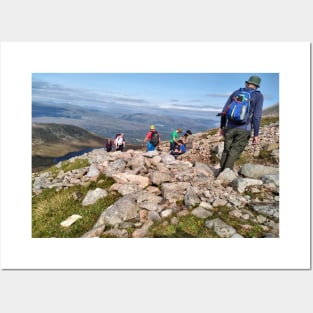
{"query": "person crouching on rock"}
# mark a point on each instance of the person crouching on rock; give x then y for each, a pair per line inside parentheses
(179, 149)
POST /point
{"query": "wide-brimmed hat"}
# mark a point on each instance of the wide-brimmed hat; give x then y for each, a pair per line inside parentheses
(254, 80)
(152, 127)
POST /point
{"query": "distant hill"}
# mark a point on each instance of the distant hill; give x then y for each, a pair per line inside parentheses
(133, 123)
(272, 110)
(54, 140)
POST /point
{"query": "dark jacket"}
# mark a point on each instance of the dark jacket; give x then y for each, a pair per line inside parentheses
(256, 108)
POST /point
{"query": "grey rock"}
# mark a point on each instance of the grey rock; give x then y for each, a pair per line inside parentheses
(226, 176)
(257, 170)
(221, 228)
(174, 192)
(191, 198)
(240, 184)
(93, 171)
(271, 178)
(201, 213)
(157, 178)
(94, 195)
(94, 232)
(122, 210)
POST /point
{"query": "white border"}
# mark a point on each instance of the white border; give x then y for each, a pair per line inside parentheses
(20, 251)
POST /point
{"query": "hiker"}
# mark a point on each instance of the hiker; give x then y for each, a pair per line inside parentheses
(152, 138)
(109, 145)
(119, 142)
(174, 138)
(123, 143)
(237, 130)
(187, 140)
(179, 149)
(115, 141)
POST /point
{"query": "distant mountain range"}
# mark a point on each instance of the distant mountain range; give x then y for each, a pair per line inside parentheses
(272, 110)
(60, 129)
(133, 124)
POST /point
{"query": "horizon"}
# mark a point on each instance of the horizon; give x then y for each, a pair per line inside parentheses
(140, 92)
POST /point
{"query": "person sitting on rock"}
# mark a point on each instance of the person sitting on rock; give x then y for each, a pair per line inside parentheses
(179, 149)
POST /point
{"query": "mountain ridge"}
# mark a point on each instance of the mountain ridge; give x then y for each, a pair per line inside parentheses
(272, 110)
(53, 140)
(133, 123)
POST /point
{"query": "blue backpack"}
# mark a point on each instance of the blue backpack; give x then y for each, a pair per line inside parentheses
(238, 111)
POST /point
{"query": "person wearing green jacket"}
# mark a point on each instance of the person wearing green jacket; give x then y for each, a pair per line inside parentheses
(174, 138)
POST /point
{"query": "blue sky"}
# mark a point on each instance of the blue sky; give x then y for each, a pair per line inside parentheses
(201, 92)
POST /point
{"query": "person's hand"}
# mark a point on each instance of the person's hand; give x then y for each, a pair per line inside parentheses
(221, 132)
(255, 140)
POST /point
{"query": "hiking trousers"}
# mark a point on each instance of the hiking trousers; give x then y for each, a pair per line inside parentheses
(150, 146)
(235, 142)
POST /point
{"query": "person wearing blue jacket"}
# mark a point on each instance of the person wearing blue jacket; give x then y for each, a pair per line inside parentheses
(179, 149)
(236, 136)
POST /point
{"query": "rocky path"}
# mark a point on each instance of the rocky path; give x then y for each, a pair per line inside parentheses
(157, 189)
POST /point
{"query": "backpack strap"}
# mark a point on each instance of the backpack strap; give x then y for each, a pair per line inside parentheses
(253, 106)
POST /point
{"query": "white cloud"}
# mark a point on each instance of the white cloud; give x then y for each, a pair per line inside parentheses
(189, 108)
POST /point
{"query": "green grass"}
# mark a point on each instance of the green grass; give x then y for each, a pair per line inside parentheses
(192, 227)
(253, 230)
(188, 227)
(69, 166)
(50, 208)
(213, 132)
(269, 120)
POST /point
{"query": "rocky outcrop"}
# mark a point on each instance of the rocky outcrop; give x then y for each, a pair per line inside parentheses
(156, 188)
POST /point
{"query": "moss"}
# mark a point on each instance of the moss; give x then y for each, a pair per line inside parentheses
(104, 181)
(180, 203)
(265, 155)
(213, 157)
(255, 231)
(248, 230)
(188, 227)
(163, 231)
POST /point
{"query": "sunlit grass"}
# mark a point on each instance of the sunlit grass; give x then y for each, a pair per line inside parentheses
(52, 207)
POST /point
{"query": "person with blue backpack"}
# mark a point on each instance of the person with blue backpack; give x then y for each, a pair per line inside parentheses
(240, 116)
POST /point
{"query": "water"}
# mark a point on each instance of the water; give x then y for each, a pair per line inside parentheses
(73, 154)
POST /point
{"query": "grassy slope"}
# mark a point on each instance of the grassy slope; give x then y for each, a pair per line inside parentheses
(55, 140)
